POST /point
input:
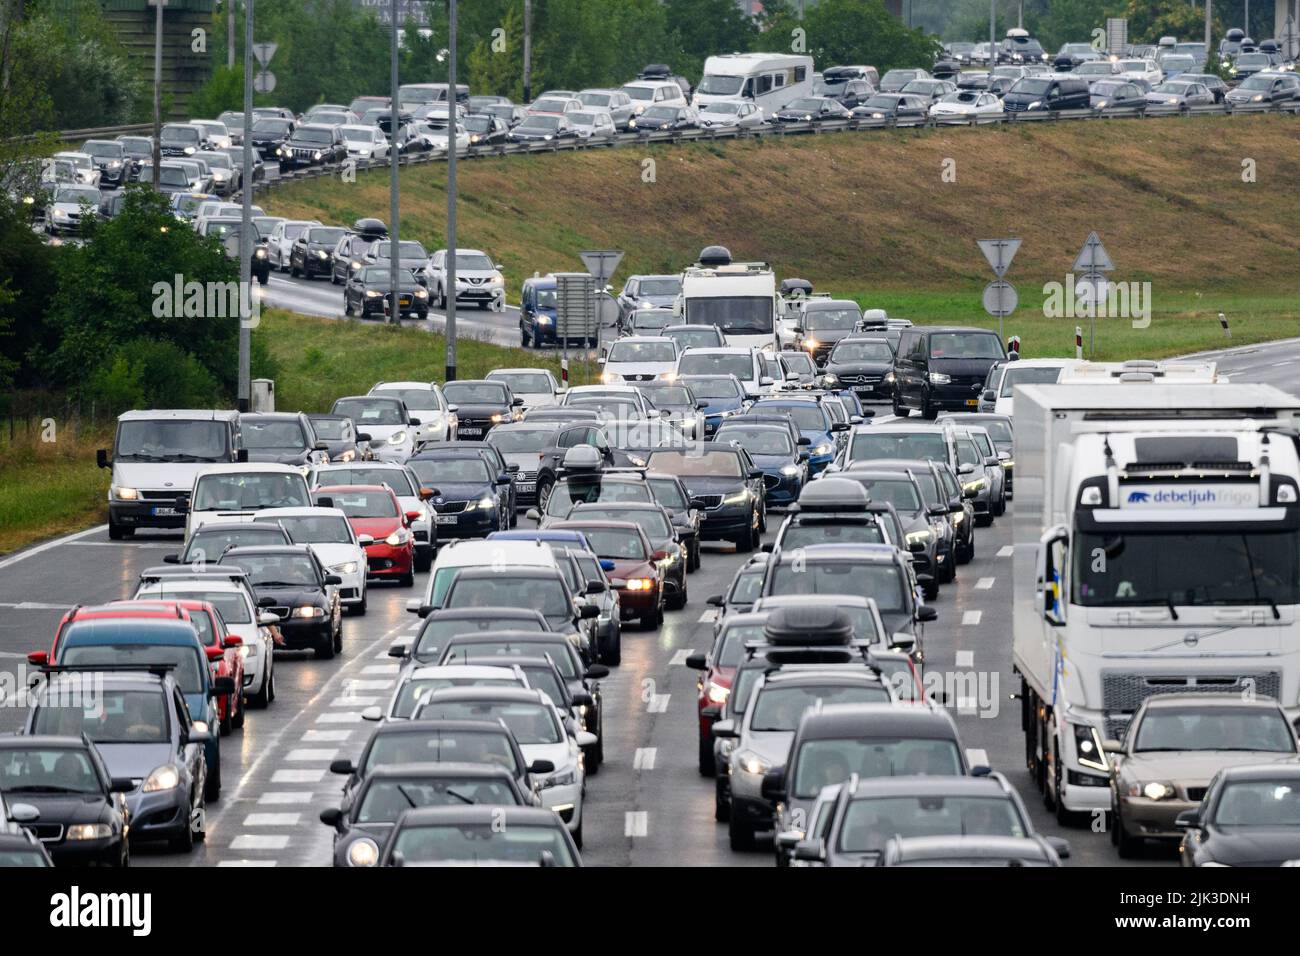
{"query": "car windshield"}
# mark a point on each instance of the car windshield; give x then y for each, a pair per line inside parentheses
(180, 134)
(435, 471)
(806, 416)
(778, 708)
(358, 134)
(458, 746)
(628, 351)
(800, 362)
(651, 320)
(1253, 59)
(654, 523)
(233, 606)
(1253, 83)
(697, 464)
(530, 723)
(668, 493)
(869, 824)
(879, 352)
(47, 770)
(273, 434)
(103, 150)
(405, 250)
(965, 345)
(313, 137)
(412, 692)
(669, 396)
(515, 440)
(437, 631)
(1259, 803)
(525, 383)
(824, 532)
(271, 128)
(545, 594)
(205, 545)
(475, 842)
(882, 102)
(758, 441)
(325, 236)
(1031, 86)
(186, 661)
(899, 492)
(967, 453)
(1213, 728)
(583, 119)
(543, 124)
(1232, 567)
(172, 440)
(573, 491)
(250, 491)
(717, 387)
(113, 717)
(594, 99)
(395, 478)
(883, 581)
(421, 398)
(385, 800)
(483, 393)
(821, 763)
(362, 504)
(314, 529)
(921, 446)
(365, 412)
(332, 429)
(734, 315)
(276, 570)
(831, 319)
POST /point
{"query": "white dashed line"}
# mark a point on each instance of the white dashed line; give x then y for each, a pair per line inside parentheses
(644, 758)
(636, 823)
(984, 584)
(298, 776)
(658, 704)
(303, 755)
(679, 659)
(326, 736)
(339, 717)
(259, 841)
(352, 686)
(285, 798)
(347, 700)
(380, 669)
(971, 618)
(1005, 551)
(272, 819)
(965, 658)
(248, 863)
(708, 617)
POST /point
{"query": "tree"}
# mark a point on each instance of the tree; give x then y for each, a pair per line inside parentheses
(699, 28)
(1149, 20)
(863, 31)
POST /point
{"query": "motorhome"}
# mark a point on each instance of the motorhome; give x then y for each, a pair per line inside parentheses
(738, 298)
(768, 80)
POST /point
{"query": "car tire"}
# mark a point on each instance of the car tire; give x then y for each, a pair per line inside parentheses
(325, 652)
(543, 495)
(238, 720)
(653, 620)
(117, 532)
(930, 592)
(740, 834)
(334, 279)
(360, 609)
(721, 805)
(523, 337)
(423, 561)
(612, 654)
(228, 721)
(183, 842)
(338, 636)
(406, 580)
(264, 696)
(984, 520)
(708, 766)
(212, 786)
(347, 306)
(899, 410)
(293, 270)
(577, 835)
(928, 411)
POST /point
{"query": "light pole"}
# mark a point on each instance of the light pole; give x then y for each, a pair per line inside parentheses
(528, 51)
(993, 38)
(157, 88)
(449, 291)
(1209, 12)
(246, 214)
(395, 310)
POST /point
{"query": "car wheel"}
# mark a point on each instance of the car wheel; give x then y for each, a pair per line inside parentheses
(543, 495)
(360, 609)
(577, 835)
(293, 270)
(238, 721)
(334, 279)
(212, 787)
(739, 833)
(930, 591)
(347, 306)
(183, 842)
(228, 721)
(652, 621)
(423, 561)
(721, 804)
(613, 652)
(325, 651)
(899, 410)
(263, 696)
(270, 688)
(523, 336)
(338, 635)
(928, 411)
(117, 532)
(708, 766)
(406, 580)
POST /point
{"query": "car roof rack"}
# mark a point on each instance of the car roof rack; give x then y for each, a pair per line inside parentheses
(157, 670)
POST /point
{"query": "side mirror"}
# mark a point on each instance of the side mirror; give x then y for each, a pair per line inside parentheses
(343, 767)
(101, 458)
(363, 436)
(532, 514)
(766, 380)
(121, 785)
(241, 456)
(989, 395)
(326, 501)
(233, 640)
(517, 403)
(595, 587)
(965, 468)
(715, 600)
(926, 612)
(925, 580)
(26, 813)
(1188, 819)
(840, 426)
(333, 580)
(600, 360)
(332, 817)
(588, 611)
(697, 504)
(585, 739)
(773, 787)
(725, 729)
(425, 495)
(171, 559)
(413, 422)
(755, 473)
(697, 662)
(198, 736)
(954, 504)
(214, 654)
(596, 672)
(1060, 845)
(1112, 746)
(916, 547)
(321, 446)
(583, 699)
(809, 851)
(267, 619)
(365, 540)
(936, 511)
(373, 713)
(412, 515)
(969, 494)
(541, 766)
(607, 565)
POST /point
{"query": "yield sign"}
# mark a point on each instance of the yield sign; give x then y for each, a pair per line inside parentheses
(601, 263)
(1093, 257)
(263, 52)
(999, 253)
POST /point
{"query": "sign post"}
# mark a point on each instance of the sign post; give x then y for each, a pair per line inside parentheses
(602, 264)
(1092, 260)
(999, 297)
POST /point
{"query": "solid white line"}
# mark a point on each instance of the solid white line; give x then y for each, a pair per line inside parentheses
(40, 548)
(298, 776)
(644, 758)
(708, 616)
(303, 755)
(1005, 551)
(658, 704)
(272, 819)
(259, 841)
(636, 823)
(984, 584)
(971, 618)
(679, 659)
(285, 798)
(34, 606)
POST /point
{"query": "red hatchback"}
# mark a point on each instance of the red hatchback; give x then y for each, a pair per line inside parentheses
(375, 513)
(122, 609)
(213, 635)
(638, 574)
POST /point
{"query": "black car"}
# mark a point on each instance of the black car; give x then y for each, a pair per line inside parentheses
(540, 128)
(728, 485)
(369, 291)
(1115, 94)
(180, 139)
(314, 144)
(664, 117)
(471, 500)
(864, 364)
(1249, 816)
(782, 457)
(1047, 94)
(481, 404)
(893, 106)
(271, 136)
(943, 368)
(138, 150)
(812, 109)
(496, 463)
(291, 582)
(312, 253)
(927, 533)
(485, 129)
(343, 442)
(286, 438)
(81, 807)
(367, 816)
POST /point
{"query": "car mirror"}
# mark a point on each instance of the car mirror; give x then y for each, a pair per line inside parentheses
(725, 729)
(916, 547)
(969, 494)
(588, 611)
(773, 787)
(233, 640)
(267, 619)
(596, 672)
(373, 713)
(214, 653)
(363, 436)
(1112, 746)
(365, 540)
(26, 813)
(809, 851)
(927, 612)
(840, 426)
(954, 504)
(607, 565)
(412, 515)
(171, 559)
(586, 739)
(332, 817)
(1188, 819)
(121, 785)
(517, 403)
(1060, 845)
(595, 587)
(925, 580)
(755, 473)
(715, 600)
(935, 511)
(325, 501)
(965, 468)
(701, 404)
(766, 380)
(342, 767)
(805, 440)
(333, 580)
(991, 459)
(583, 699)
(697, 504)
(697, 662)
(541, 766)
(266, 601)
(989, 395)
(413, 422)
(198, 736)
(425, 495)
(532, 514)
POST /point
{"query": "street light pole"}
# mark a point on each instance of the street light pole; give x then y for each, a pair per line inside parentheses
(1209, 8)
(157, 88)
(528, 51)
(449, 291)
(993, 39)
(395, 309)
(246, 214)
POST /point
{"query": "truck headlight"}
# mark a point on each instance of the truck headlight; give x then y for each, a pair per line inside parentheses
(1087, 744)
(126, 494)
(166, 777)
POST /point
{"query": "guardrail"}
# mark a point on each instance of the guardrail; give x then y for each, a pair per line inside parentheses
(105, 132)
(781, 130)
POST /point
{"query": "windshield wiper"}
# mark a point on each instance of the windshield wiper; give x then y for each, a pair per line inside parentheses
(1263, 599)
(459, 796)
(1167, 601)
(280, 584)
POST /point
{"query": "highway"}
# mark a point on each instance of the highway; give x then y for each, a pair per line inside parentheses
(648, 806)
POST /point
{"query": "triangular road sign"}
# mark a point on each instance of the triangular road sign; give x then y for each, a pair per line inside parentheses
(999, 253)
(1093, 257)
(262, 52)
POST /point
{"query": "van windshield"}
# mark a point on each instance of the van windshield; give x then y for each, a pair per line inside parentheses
(172, 440)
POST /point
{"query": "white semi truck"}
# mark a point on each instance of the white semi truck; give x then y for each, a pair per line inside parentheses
(1156, 550)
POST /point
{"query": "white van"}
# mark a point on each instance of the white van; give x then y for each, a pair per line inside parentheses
(154, 459)
(998, 396)
(768, 80)
(237, 492)
(477, 553)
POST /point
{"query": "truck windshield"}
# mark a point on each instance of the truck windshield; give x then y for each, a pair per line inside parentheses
(1229, 567)
(172, 440)
(733, 315)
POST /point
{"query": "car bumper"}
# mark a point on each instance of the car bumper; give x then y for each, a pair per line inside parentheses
(782, 489)
(747, 798)
(723, 524)
(954, 398)
(477, 293)
(303, 634)
(567, 802)
(103, 852)
(635, 604)
(352, 588)
(157, 816)
(468, 524)
(1153, 819)
(143, 514)
(314, 265)
(388, 561)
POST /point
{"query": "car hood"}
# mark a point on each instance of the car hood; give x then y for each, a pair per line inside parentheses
(279, 455)
(65, 808)
(71, 207)
(772, 462)
(1253, 846)
(1193, 768)
(709, 485)
(772, 745)
(629, 568)
(479, 411)
(377, 528)
(719, 405)
(526, 460)
(859, 368)
(638, 368)
(336, 553)
(557, 754)
(158, 475)
(459, 491)
(134, 760)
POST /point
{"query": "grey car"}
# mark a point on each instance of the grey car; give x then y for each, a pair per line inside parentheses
(1179, 94)
(614, 102)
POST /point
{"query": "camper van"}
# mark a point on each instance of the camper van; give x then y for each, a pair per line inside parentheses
(769, 80)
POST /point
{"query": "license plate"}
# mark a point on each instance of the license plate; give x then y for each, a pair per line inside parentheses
(526, 485)
(163, 512)
(972, 401)
(446, 519)
(405, 300)
(469, 431)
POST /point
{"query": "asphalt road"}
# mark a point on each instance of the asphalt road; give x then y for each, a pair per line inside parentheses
(648, 805)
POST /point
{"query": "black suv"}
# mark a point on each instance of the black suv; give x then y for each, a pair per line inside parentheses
(291, 582)
(943, 368)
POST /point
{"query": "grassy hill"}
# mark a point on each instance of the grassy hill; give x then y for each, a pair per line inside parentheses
(869, 215)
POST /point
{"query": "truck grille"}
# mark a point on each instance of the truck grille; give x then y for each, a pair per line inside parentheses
(1122, 694)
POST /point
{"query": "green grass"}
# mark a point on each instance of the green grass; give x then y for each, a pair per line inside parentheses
(49, 489)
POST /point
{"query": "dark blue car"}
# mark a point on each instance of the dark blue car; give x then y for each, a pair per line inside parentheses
(469, 500)
(718, 397)
(784, 462)
(814, 423)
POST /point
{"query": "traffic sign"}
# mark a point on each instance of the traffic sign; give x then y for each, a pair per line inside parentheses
(264, 81)
(1093, 257)
(262, 52)
(602, 264)
(999, 253)
(1000, 298)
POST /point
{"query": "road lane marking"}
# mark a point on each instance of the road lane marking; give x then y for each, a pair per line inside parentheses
(326, 736)
(41, 548)
(259, 841)
(679, 659)
(984, 584)
(708, 616)
(636, 823)
(644, 758)
(971, 618)
(966, 658)
(298, 776)
(658, 704)
(35, 606)
(339, 717)
(349, 701)
(1005, 551)
(280, 798)
(248, 863)
(304, 754)
(272, 819)
(380, 669)
(353, 685)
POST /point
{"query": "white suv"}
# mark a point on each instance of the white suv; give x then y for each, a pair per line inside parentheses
(478, 280)
(425, 401)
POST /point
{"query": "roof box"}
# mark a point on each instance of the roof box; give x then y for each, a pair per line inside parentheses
(370, 227)
(808, 627)
(582, 458)
(715, 256)
(832, 494)
(795, 286)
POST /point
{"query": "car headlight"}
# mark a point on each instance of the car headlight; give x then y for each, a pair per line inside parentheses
(669, 561)
(1087, 743)
(259, 253)
(355, 265)
(244, 651)
(609, 377)
(939, 378)
(114, 164)
(498, 418)
(739, 498)
(1101, 104)
(189, 150)
(220, 175)
(810, 344)
(364, 852)
(126, 494)
(497, 279)
(565, 778)
(372, 294)
(322, 254)
(716, 693)
(1157, 790)
(877, 115)
(959, 518)
(89, 831)
(60, 214)
(486, 502)
(1034, 105)
(921, 536)
(640, 584)
(1009, 464)
(421, 294)
(978, 484)
(1257, 98)
(308, 611)
(398, 537)
(397, 438)
(316, 155)
(789, 470)
(347, 567)
(825, 448)
(166, 777)
(751, 763)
